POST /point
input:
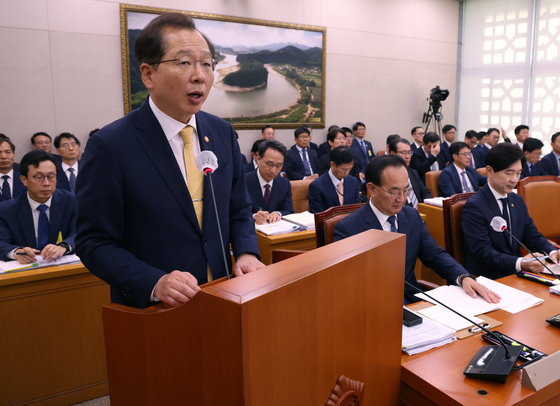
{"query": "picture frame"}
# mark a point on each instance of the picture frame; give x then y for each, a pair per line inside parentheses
(267, 72)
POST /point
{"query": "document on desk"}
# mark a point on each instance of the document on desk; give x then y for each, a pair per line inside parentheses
(425, 336)
(512, 300)
(280, 227)
(304, 219)
(449, 319)
(554, 268)
(14, 266)
(435, 201)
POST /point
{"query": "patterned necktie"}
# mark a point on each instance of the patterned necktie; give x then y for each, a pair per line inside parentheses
(530, 167)
(507, 217)
(6, 195)
(466, 188)
(72, 179)
(42, 227)
(363, 144)
(306, 165)
(393, 221)
(340, 192)
(412, 199)
(266, 196)
(472, 164)
(195, 178)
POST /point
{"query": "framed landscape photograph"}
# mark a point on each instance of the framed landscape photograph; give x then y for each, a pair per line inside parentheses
(266, 72)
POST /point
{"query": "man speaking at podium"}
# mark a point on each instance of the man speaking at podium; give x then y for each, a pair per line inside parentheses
(146, 220)
(387, 186)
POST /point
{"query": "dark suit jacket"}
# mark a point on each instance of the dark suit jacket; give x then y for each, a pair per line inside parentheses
(16, 222)
(293, 165)
(419, 244)
(280, 194)
(249, 167)
(536, 170)
(450, 182)
(62, 181)
(420, 190)
(488, 252)
(323, 194)
(444, 149)
(314, 147)
(422, 164)
(136, 220)
(362, 159)
(325, 165)
(17, 187)
(480, 152)
(548, 165)
(324, 148)
(413, 146)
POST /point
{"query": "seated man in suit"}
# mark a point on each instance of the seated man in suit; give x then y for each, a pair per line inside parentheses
(335, 187)
(481, 149)
(387, 186)
(325, 147)
(417, 190)
(254, 163)
(270, 193)
(10, 184)
(335, 138)
(418, 137)
(493, 137)
(68, 148)
(532, 149)
(491, 253)
(363, 151)
(550, 163)
(301, 160)
(476, 160)
(449, 133)
(428, 158)
(460, 177)
(41, 221)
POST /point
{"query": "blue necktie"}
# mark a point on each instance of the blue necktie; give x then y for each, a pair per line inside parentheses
(393, 220)
(363, 147)
(6, 195)
(72, 179)
(466, 188)
(43, 227)
(306, 162)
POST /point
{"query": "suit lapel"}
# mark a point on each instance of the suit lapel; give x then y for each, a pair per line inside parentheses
(254, 188)
(404, 225)
(26, 221)
(157, 149)
(494, 210)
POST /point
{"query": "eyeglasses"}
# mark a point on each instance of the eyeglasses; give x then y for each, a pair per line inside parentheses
(273, 165)
(466, 154)
(40, 178)
(404, 152)
(68, 145)
(187, 64)
(396, 193)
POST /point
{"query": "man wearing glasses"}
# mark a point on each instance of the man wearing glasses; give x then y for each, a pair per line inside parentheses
(460, 177)
(68, 148)
(387, 186)
(41, 221)
(147, 223)
(417, 190)
(270, 193)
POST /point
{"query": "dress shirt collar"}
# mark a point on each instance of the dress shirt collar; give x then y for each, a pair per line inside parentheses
(417, 145)
(556, 155)
(496, 195)
(334, 180)
(10, 174)
(66, 167)
(459, 170)
(382, 218)
(301, 149)
(169, 125)
(263, 182)
(34, 205)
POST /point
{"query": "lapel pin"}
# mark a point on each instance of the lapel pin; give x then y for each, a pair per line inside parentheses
(206, 139)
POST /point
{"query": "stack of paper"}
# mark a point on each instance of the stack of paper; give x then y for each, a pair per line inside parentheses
(305, 219)
(435, 201)
(15, 266)
(425, 336)
(280, 227)
(449, 319)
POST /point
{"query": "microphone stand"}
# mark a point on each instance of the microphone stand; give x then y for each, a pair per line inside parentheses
(208, 172)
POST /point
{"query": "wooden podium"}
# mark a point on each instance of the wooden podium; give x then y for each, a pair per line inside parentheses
(281, 336)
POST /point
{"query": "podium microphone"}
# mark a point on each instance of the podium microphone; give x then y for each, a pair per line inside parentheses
(491, 362)
(499, 225)
(207, 163)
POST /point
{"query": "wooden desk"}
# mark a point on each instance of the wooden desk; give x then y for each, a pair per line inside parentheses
(51, 340)
(436, 376)
(300, 240)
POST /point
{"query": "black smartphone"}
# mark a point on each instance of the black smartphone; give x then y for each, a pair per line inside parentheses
(554, 320)
(410, 319)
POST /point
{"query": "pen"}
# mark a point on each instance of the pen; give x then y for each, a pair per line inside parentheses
(21, 253)
(23, 267)
(534, 259)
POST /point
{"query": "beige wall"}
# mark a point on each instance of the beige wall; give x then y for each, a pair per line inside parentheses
(61, 70)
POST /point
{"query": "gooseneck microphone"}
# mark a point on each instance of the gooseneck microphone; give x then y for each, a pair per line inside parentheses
(207, 163)
(491, 362)
(499, 225)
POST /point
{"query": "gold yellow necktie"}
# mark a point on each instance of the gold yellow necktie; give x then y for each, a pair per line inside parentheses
(195, 178)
